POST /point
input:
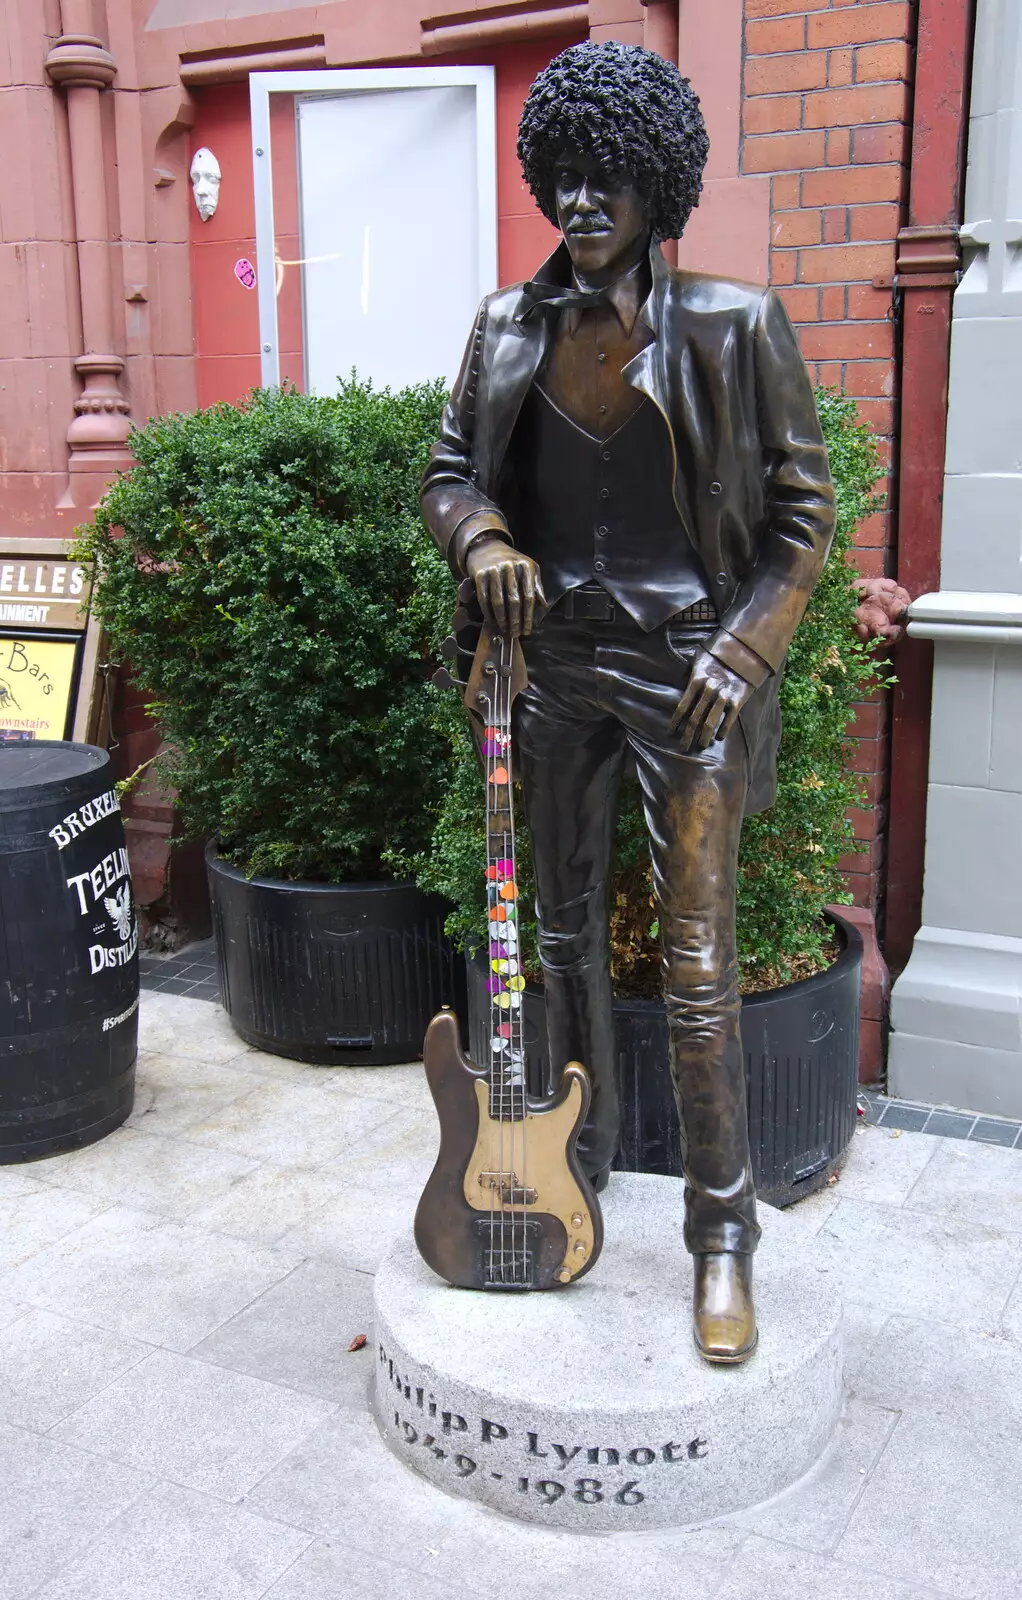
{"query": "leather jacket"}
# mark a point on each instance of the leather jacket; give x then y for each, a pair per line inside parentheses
(751, 483)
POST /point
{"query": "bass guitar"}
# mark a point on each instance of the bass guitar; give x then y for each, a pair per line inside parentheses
(507, 1205)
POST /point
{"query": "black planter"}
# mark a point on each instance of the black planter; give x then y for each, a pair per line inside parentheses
(345, 974)
(801, 1065)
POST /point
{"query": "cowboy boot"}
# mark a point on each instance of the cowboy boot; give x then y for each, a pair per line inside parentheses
(723, 1315)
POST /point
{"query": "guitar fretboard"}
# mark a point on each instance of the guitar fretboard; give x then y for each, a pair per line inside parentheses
(504, 978)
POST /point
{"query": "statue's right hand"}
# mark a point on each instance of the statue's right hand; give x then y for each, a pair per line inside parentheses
(508, 586)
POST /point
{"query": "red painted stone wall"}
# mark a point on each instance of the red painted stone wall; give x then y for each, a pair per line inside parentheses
(226, 314)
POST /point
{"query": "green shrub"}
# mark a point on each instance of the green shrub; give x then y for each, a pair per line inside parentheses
(259, 572)
(789, 857)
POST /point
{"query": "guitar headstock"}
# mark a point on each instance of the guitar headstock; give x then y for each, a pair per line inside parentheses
(498, 675)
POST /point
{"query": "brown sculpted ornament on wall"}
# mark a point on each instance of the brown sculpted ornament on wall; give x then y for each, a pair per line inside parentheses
(631, 474)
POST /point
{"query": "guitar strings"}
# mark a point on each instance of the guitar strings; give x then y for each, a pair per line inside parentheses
(490, 771)
(517, 1026)
(508, 1085)
(507, 1053)
(507, 1105)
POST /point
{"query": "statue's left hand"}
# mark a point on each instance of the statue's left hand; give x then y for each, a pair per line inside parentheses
(712, 700)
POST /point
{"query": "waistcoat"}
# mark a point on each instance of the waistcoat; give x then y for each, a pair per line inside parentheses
(591, 510)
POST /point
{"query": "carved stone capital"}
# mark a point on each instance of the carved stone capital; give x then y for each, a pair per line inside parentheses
(80, 61)
(101, 423)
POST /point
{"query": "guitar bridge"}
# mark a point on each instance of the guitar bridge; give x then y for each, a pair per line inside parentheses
(508, 1251)
(512, 1193)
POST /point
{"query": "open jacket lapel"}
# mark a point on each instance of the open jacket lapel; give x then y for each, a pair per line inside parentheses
(515, 351)
(516, 346)
(647, 372)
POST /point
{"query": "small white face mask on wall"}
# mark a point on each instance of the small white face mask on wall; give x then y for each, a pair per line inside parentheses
(205, 176)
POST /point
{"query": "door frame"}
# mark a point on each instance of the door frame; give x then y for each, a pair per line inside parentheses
(357, 80)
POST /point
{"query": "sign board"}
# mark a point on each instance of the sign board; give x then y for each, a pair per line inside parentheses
(42, 593)
(38, 673)
(49, 644)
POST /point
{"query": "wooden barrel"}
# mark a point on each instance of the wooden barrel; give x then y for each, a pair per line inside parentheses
(68, 951)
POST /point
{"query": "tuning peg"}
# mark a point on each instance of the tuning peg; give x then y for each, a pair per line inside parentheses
(442, 679)
(463, 618)
(466, 591)
(449, 648)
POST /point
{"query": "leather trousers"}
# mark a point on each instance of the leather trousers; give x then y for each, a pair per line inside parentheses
(597, 691)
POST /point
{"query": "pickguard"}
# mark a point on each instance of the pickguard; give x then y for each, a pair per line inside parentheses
(521, 1166)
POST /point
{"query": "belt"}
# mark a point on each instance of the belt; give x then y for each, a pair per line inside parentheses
(590, 602)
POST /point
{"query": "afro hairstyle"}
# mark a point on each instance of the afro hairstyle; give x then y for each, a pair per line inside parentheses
(630, 109)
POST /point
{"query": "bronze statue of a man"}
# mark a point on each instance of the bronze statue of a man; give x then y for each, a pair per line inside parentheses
(631, 471)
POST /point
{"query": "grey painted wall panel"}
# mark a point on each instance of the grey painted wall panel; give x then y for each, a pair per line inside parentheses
(1006, 725)
(986, 513)
(985, 435)
(957, 1007)
(974, 863)
(960, 730)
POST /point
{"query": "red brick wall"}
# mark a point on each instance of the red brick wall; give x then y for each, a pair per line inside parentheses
(825, 113)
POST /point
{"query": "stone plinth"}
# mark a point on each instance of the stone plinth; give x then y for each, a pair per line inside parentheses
(588, 1407)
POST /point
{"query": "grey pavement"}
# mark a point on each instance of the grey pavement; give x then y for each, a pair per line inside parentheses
(181, 1417)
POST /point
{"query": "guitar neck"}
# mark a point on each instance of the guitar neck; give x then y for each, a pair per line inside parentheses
(505, 981)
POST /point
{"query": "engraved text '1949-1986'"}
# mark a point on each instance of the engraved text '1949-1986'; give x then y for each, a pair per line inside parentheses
(446, 1434)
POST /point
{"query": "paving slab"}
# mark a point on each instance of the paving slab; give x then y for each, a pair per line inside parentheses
(972, 1183)
(268, 1202)
(814, 1513)
(883, 1166)
(50, 1366)
(505, 1559)
(174, 1091)
(342, 1481)
(944, 1504)
(298, 1334)
(405, 1086)
(174, 1025)
(53, 1501)
(946, 1373)
(136, 1274)
(291, 1124)
(862, 1325)
(1011, 1321)
(178, 1545)
(33, 1219)
(379, 1187)
(18, 1181)
(918, 1265)
(767, 1570)
(198, 1425)
(813, 1211)
(330, 1570)
(168, 1176)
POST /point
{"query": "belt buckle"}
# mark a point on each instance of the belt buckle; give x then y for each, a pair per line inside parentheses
(587, 605)
(596, 604)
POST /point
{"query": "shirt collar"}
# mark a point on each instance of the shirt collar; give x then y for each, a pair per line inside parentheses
(627, 294)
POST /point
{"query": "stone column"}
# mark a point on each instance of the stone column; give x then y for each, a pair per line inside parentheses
(957, 1007)
(80, 65)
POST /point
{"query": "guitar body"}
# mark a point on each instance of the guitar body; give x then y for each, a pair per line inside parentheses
(507, 1204)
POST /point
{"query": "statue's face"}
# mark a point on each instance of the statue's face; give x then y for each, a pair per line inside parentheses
(604, 219)
(205, 176)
